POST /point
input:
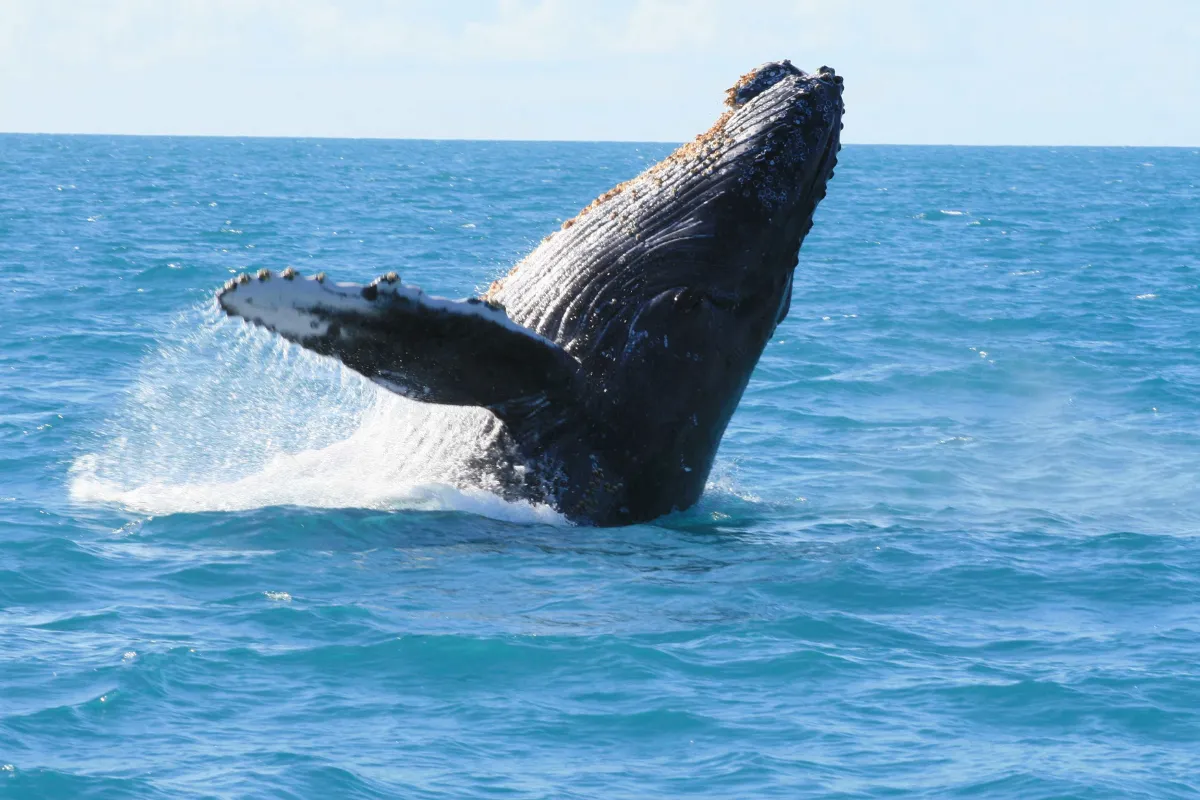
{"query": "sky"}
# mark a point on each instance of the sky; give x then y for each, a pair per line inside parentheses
(1049, 72)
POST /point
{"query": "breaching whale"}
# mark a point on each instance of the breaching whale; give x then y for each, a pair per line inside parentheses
(613, 356)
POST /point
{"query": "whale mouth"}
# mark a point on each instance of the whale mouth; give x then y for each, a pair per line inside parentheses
(817, 184)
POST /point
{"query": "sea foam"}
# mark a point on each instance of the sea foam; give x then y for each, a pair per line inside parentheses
(223, 417)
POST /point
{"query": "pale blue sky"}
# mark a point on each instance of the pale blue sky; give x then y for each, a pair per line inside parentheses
(1012, 72)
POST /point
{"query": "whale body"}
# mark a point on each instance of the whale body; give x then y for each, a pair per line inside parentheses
(613, 356)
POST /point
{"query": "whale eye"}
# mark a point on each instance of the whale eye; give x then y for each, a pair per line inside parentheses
(692, 298)
(688, 299)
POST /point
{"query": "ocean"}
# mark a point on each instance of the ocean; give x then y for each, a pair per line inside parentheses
(949, 547)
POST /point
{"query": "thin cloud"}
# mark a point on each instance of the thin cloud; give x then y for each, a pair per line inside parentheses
(919, 71)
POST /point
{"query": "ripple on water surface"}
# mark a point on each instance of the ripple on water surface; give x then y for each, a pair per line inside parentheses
(948, 549)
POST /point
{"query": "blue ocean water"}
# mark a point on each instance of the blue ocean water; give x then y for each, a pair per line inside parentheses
(949, 548)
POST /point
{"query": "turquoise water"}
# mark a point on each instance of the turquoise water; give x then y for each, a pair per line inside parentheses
(949, 548)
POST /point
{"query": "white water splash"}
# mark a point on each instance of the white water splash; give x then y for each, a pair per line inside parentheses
(226, 417)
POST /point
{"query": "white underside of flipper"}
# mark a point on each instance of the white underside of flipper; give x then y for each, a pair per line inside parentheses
(298, 308)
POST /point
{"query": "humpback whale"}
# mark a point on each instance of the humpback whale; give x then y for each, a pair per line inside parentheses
(612, 356)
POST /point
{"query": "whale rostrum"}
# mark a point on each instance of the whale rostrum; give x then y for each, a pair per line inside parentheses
(614, 354)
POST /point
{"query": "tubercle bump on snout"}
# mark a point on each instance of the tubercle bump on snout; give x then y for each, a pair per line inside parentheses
(828, 75)
(765, 76)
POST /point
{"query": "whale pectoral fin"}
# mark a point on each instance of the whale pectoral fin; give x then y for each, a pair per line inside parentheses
(424, 347)
(458, 353)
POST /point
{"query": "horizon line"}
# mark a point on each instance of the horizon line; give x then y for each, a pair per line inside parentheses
(325, 137)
